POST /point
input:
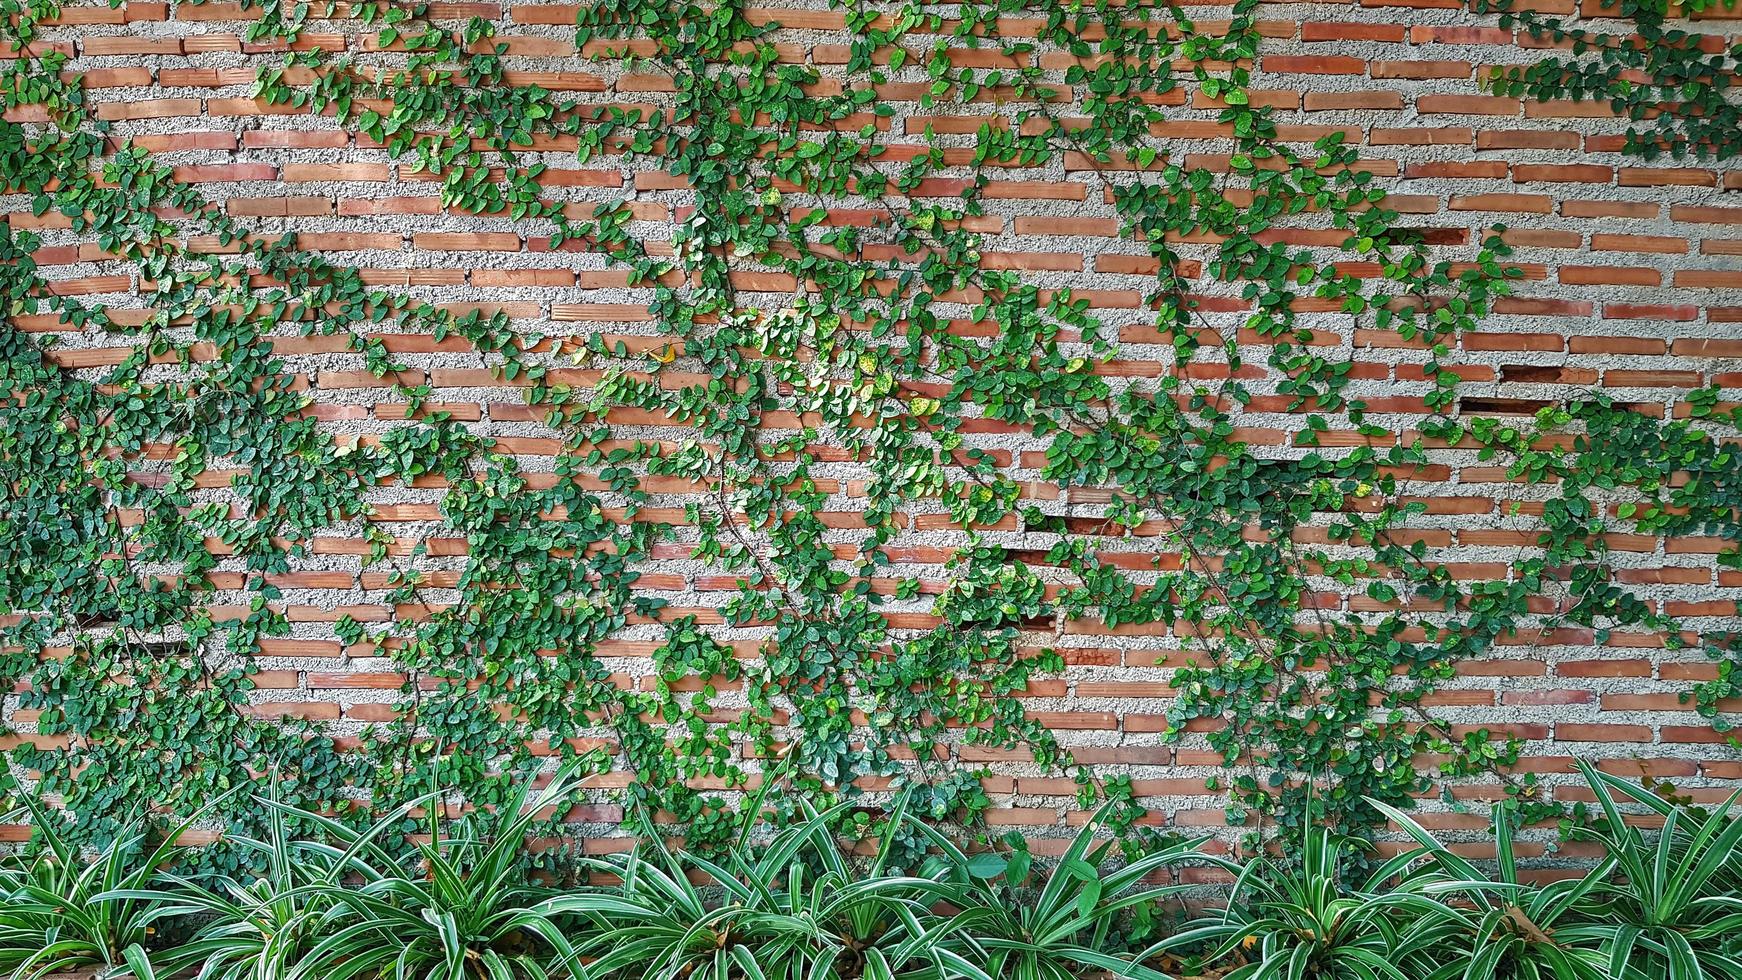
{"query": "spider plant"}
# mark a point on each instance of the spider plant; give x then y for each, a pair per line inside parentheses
(797, 909)
(259, 928)
(472, 915)
(1062, 929)
(875, 925)
(60, 911)
(1667, 913)
(1297, 920)
(1505, 928)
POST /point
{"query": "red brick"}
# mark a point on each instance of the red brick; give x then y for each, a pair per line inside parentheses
(1373, 101)
(1639, 243)
(279, 207)
(1518, 203)
(1562, 173)
(1526, 139)
(1565, 732)
(1639, 311)
(1707, 347)
(1471, 169)
(1609, 209)
(1607, 275)
(1514, 341)
(1667, 176)
(467, 241)
(1344, 31)
(148, 109)
(1616, 345)
(1708, 278)
(1314, 64)
(1467, 105)
(1559, 697)
(1422, 136)
(1421, 69)
(1604, 668)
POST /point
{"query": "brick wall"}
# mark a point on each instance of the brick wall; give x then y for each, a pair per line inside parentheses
(1633, 281)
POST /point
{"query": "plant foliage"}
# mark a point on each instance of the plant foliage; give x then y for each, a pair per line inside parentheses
(794, 348)
(794, 901)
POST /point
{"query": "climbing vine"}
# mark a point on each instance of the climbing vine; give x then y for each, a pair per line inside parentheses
(1673, 86)
(156, 500)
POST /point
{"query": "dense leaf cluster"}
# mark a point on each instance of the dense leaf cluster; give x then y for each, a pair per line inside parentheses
(146, 495)
(1673, 86)
(799, 904)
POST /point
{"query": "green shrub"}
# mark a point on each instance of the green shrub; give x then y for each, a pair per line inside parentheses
(63, 910)
(1063, 928)
(1298, 920)
(472, 913)
(1505, 926)
(799, 905)
(796, 908)
(1669, 911)
(257, 927)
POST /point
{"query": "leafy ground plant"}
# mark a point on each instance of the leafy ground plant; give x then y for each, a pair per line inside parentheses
(1063, 929)
(794, 908)
(799, 904)
(64, 910)
(1298, 920)
(258, 927)
(1669, 911)
(1506, 927)
(473, 912)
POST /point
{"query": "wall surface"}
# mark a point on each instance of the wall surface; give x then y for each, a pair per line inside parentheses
(1633, 282)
